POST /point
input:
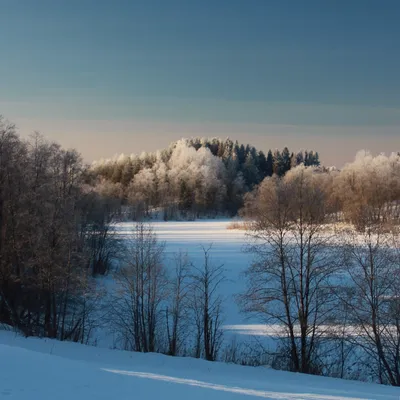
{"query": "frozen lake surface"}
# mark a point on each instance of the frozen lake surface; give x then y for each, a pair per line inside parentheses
(227, 249)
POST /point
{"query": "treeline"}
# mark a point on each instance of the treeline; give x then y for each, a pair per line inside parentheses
(364, 191)
(193, 177)
(326, 270)
(52, 230)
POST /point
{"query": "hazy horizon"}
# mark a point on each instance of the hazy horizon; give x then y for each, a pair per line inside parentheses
(95, 139)
(133, 76)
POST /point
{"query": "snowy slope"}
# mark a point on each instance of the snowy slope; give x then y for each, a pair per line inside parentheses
(44, 369)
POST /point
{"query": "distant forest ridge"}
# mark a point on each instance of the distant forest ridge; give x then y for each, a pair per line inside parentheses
(194, 176)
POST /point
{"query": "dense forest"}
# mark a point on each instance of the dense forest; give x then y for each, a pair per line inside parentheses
(193, 177)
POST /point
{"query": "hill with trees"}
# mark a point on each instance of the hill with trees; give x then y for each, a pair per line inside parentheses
(193, 177)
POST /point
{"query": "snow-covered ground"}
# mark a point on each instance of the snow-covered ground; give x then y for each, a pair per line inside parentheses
(47, 369)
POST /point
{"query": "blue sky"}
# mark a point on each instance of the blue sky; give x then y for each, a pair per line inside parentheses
(321, 71)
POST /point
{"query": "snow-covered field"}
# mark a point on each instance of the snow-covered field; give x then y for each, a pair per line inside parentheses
(47, 369)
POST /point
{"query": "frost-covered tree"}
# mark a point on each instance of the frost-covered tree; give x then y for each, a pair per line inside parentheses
(142, 191)
(369, 189)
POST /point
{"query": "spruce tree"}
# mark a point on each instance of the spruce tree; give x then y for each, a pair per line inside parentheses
(278, 163)
(269, 168)
(285, 160)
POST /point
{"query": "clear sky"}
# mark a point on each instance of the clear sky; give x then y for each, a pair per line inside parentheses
(125, 76)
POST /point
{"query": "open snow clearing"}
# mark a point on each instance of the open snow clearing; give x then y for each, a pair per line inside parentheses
(48, 369)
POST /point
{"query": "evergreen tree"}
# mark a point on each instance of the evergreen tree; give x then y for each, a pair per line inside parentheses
(269, 169)
(278, 163)
(228, 149)
(242, 154)
(299, 158)
(293, 161)
(262, 164)
(306, 161)
(316, 160)
(221, 148)
(285, 160)
(253, 152)
(250, 171)
(213, 146)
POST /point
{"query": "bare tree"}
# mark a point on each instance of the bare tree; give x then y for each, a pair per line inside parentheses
(372, 296)
(290, 278)
(177, 311)
(13, 160)
(142, 288)
(99, 212)
(207, 306)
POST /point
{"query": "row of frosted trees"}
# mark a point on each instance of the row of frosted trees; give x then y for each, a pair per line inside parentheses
(194, 176)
